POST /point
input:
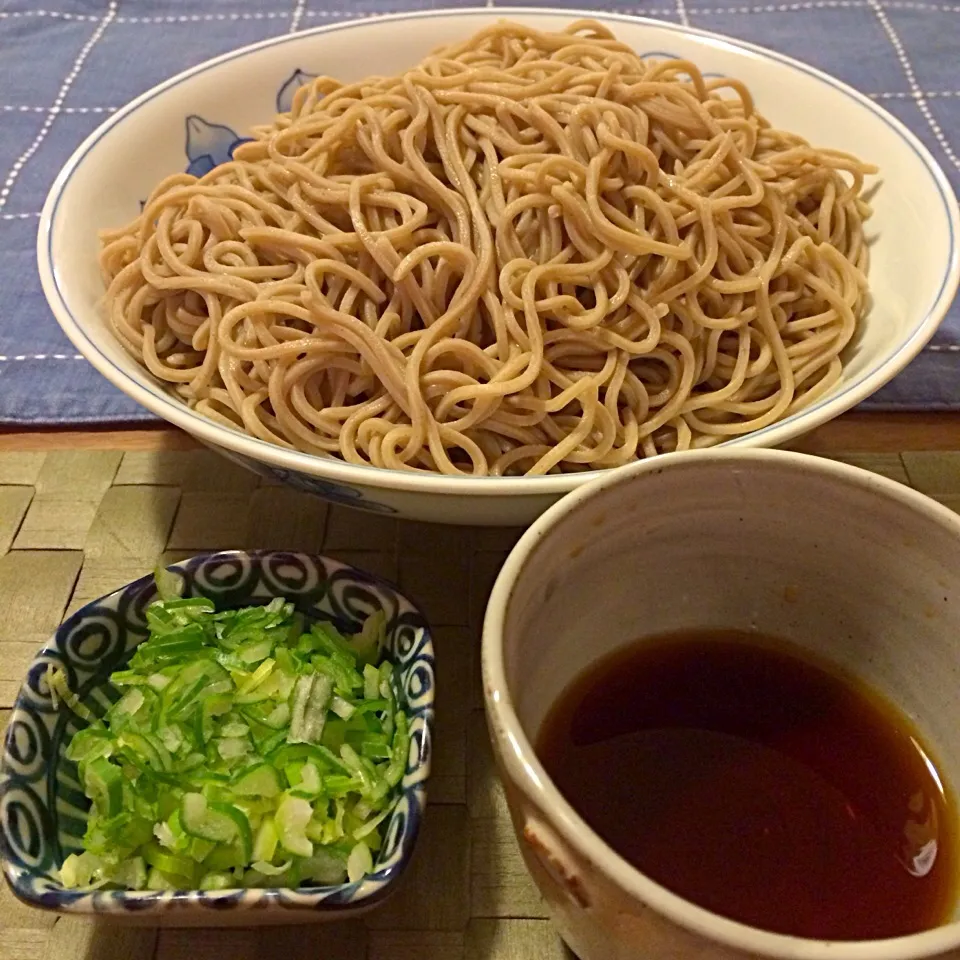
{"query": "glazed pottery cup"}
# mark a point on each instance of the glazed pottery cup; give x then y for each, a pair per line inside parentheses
(854, 567)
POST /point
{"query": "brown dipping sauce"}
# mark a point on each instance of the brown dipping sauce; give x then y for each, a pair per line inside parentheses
(758, 784)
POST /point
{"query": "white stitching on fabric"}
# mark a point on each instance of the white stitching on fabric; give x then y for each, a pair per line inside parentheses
(358, 14)
(943, 348)
(297, 16)
(682, 13)
(778, 7)
(57, 106)
(940, 8)
(40, 356)
(207, 17)
(19, 216)
(793, 7)
(11, 14)
(804, 5)
(258, 15)
(911, 95)
(20, 108)
(911, 76)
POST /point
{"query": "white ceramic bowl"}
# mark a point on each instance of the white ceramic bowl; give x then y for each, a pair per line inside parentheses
(914, 270)
(858, 569)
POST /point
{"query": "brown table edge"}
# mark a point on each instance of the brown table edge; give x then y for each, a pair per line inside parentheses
(860, 432)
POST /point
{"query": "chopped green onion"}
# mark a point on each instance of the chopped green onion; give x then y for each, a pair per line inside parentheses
(230, 748)
(216, 881)
(103, 783)
(261, 780)
(369, 642)
(60, 688)
(265, 844)
(324, 867)
(292, 817)
(316, 713)
(342, 708)
(301, 694)
(371, 682)
(249, 748)
(269, 870)
(359, 863)
(169, 584)
(169, 863)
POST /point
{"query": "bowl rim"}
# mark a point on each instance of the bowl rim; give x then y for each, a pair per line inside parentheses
(155, 398)
(531, 779)
(297, 900)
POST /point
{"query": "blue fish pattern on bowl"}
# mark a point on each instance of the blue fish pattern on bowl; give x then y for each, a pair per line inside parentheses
(334, 492)
(299, 78)
(209, 144)
(43, 810)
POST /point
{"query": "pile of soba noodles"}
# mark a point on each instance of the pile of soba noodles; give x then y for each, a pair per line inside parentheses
(531, 253)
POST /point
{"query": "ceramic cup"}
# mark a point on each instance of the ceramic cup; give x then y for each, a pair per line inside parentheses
(856, 568)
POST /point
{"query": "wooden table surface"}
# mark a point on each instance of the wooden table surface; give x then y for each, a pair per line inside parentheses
(83, 512)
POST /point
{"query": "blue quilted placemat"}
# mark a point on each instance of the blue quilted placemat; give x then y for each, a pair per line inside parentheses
(63, 69)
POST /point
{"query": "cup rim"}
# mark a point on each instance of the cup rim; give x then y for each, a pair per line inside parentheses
(520, 760)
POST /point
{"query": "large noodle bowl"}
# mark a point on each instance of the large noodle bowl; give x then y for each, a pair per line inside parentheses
(531, 253)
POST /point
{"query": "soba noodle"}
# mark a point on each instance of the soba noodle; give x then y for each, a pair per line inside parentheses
(531, 253)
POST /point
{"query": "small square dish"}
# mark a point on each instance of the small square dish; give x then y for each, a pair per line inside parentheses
(44, 809)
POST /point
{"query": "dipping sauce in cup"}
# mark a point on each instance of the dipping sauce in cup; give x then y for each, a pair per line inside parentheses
(760, 784)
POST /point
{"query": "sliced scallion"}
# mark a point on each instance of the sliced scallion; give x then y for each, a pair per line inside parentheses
(249, 748)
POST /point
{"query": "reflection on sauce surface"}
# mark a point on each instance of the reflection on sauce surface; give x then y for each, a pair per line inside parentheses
(759, 785)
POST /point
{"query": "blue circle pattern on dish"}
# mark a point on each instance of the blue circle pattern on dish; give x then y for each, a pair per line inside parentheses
(43, 810)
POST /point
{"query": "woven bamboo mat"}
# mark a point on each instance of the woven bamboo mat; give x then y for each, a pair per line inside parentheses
(77, 524)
